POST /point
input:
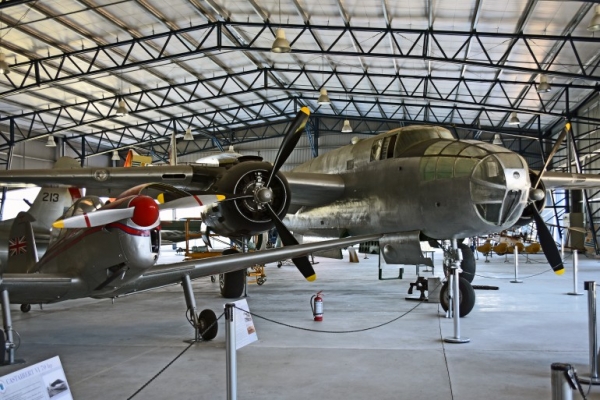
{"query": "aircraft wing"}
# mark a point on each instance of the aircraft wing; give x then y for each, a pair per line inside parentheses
(312, 189)
(38, 288)
(566, 180)
(113, 180)
(166, 274)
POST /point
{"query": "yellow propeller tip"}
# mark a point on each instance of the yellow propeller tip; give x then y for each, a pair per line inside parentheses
(560, 271)
(58, 224)
(161, 198)
(305, 110)
(312, 278)
(220, 197)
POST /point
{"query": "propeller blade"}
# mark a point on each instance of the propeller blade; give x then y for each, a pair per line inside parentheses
(548, 245)
(559, 141)
(302, 263)
(289, 142)
(96, 218)
(190, 201)
(206, 237)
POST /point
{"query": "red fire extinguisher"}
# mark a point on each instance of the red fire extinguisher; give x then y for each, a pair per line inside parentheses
(316, 305)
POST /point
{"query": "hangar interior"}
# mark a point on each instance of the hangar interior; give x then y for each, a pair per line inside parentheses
(93, 80)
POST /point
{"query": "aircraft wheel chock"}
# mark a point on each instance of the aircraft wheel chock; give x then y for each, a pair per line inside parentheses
(25, 308)
(207, 324)
(466, 297)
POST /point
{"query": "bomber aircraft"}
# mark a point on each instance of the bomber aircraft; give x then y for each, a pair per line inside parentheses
(413, 183)
(110, 250)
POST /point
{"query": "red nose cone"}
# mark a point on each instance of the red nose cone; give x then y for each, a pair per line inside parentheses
(145, 211)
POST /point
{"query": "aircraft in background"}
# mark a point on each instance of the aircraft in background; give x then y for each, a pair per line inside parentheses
(49, 204)
(412, 184)
(108, 250)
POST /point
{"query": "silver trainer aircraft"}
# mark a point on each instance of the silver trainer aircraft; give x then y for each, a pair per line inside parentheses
(110, 250)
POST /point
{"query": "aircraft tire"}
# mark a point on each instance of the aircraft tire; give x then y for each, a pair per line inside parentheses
(467, 297)
(232, 283)
(468, 263)
(208, 327)
(25, 308)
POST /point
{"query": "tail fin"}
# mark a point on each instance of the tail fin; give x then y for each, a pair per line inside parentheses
(133, 159)
(22, 251)
(51, 203)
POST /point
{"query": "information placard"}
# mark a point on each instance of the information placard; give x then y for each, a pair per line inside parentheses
(245, 332)
(42, 381)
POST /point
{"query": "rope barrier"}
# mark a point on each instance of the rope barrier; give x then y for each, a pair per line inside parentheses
(172, 361)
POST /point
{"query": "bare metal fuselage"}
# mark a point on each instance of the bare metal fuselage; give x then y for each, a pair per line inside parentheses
(394, 195)
(91, 256)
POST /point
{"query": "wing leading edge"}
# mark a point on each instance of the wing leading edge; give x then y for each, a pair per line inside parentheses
(573, 181)
(48, 288)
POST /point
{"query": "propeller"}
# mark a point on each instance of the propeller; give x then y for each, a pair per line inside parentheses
(546, 240)
(142, 210)
(264, 195)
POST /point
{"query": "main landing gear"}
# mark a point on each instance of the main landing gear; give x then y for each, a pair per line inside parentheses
(205, 324)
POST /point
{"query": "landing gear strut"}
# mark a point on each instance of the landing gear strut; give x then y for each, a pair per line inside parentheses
(466, 295)
(205, 323)
(7, 343)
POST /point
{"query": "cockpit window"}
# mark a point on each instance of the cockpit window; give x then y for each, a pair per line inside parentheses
(490, 170)
(454, 148)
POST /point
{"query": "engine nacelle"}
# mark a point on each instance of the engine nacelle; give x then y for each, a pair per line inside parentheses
(527, 216)
(247, 216)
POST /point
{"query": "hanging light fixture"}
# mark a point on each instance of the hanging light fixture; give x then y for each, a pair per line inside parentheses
(121, 109)
(497, 140)
(514, 120)
(346, 128)
(323, 98)
(188, 135)
(544, 86)
(281, 44)
(595, 22)
(115, 156)
(50, 142)
(4, 67)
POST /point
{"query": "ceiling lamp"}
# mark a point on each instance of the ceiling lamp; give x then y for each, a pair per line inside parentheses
(323, 98)
(595, 22)
(121, 109)
(115, 156)
(544, 86)
(50, 142)
(514, 120)
(188, 135)
(346, 128)
(281, 44)
(4, 68)
(497, 140)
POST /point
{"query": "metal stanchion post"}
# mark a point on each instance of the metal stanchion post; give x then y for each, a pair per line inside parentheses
(231, 352)
(590, 286)
(516, 280)
(454, 290)
(575, 264)
(562, 381)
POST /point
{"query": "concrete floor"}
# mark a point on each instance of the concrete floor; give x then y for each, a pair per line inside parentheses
(110, 351)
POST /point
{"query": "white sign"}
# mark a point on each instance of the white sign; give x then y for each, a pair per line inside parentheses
(41, 381)
(245, 332)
